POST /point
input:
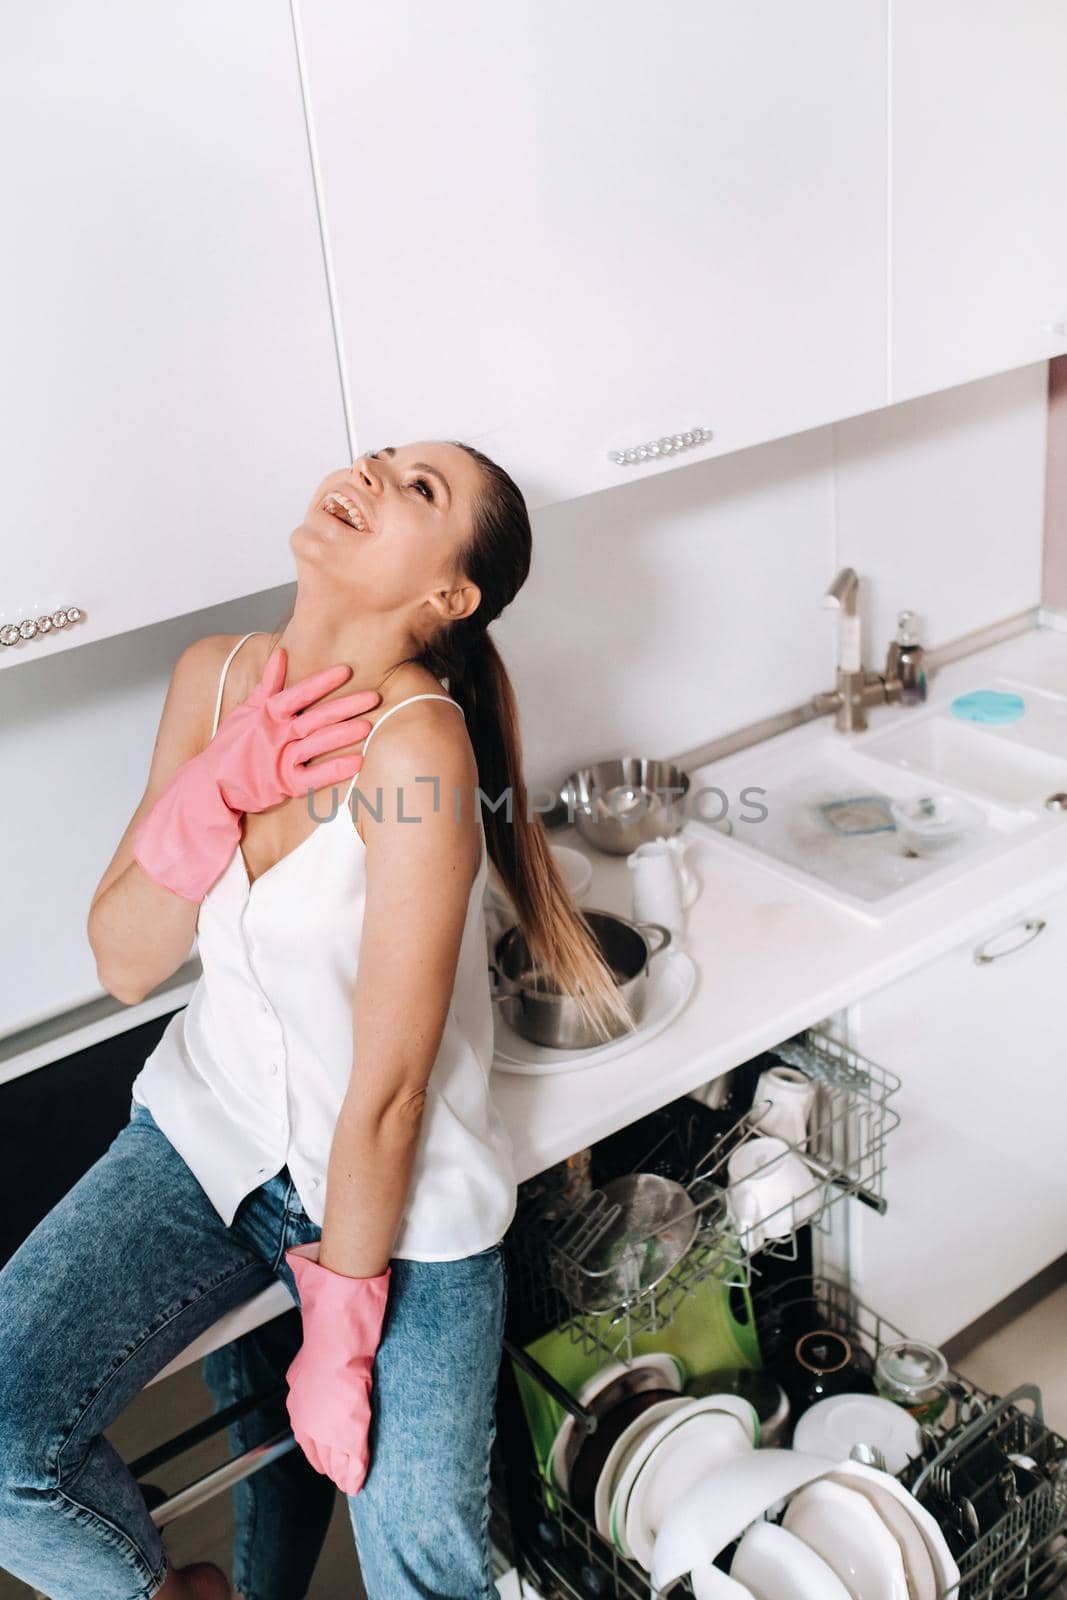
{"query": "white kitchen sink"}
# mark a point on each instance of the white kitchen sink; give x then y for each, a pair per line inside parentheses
(1020, 764)
(1007, 772)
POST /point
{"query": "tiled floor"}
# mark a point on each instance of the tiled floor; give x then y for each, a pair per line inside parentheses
(1031, 1349)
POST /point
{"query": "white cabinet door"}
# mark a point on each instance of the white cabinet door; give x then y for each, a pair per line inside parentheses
(169, 394)
(978, 224)
(562, 229)
(976, 1176)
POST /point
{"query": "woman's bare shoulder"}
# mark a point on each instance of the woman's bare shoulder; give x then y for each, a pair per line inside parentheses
(427, 740)
(195, 682)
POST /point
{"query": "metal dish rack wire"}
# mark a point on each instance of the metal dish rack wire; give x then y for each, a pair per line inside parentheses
(1020, 1556)
(845, 1148)
(554, 1258)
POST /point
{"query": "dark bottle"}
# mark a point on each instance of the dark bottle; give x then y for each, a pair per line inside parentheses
(907, 660)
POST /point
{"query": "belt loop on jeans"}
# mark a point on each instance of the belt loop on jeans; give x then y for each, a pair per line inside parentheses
(293, 1204)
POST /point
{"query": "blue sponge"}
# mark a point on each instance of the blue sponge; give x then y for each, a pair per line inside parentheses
(990, 706)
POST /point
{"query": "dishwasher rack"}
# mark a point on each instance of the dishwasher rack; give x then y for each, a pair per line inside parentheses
(551, 1255)
(1022, 1557)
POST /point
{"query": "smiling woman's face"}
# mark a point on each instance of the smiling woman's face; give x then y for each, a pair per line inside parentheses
(387, 529)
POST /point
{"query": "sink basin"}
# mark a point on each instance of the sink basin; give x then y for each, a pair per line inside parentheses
(791, 798)
(1018, 765)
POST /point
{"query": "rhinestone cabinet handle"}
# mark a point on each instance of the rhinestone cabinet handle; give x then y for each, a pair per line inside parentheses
(13, 632)
(669, 445)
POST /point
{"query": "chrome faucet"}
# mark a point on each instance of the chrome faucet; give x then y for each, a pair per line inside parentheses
(903, 679)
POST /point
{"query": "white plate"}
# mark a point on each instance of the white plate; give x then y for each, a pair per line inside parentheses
(576, 868)
(833, 1426)
(711, 1584)
(946, 1572)
(918, 1567)
(619, 1457)
(846, 1530)
(714, 1511)
(741, 1412)
(774, 1564)
(667, 1367)
(703, 1437)
(671, 977)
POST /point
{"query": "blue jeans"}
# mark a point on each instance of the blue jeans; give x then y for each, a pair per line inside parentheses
(130, 1266)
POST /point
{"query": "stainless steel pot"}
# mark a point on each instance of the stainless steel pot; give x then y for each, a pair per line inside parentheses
(619, 804)
(543, 1014)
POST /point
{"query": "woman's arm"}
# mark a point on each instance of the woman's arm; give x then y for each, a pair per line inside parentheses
(139, 932)
(419, 875)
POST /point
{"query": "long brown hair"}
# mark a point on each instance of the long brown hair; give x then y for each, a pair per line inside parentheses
(497, 558)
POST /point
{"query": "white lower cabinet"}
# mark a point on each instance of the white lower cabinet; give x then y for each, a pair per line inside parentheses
(976, 1183)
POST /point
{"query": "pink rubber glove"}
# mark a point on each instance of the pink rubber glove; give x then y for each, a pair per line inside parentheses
(255, 759)
(330, 1376)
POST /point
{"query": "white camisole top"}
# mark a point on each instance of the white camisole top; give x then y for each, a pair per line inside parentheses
(252, 1073)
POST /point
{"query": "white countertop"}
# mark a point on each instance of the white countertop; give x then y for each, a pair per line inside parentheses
(772, 957)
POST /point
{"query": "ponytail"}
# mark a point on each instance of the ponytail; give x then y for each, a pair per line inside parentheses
(564, 950)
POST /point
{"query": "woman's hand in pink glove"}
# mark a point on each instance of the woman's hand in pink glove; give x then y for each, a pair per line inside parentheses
(330, 1376)
(256, 759)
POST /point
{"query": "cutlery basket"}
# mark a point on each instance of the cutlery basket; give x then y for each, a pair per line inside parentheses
(1020, 1557)
(553, 1257)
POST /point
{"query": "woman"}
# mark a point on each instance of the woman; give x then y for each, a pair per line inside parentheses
(320, 1111)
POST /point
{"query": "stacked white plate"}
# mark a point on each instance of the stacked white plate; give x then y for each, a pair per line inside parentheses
(695, 1439)
(915, 1563)
(849, 1532)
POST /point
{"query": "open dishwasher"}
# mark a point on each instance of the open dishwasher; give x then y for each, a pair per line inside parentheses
(690, 1267)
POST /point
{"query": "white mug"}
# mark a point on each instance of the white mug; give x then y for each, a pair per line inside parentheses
(663, 886)
(772, 1191)
(782, 1104)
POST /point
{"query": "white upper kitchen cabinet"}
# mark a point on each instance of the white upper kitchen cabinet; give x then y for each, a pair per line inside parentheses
(169, 393)
(976, 1181)
(978, 227)
(559, 230)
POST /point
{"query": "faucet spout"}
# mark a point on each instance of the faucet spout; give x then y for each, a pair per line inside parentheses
(843, 595)
(857, 689)
(844, 592)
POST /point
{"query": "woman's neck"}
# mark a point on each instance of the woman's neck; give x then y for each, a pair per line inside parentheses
(375, 647)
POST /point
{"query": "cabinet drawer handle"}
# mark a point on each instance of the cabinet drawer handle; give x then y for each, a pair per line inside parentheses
(669, 445)
(31, 627)
(1031, 928)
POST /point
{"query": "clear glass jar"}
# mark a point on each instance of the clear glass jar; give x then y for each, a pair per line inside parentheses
(914, 1376)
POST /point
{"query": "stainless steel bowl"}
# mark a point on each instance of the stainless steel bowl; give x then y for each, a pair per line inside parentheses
(542, 1013)
(619, 804)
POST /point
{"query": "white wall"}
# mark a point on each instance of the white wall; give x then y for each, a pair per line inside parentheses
(661, 614)
(657, 615)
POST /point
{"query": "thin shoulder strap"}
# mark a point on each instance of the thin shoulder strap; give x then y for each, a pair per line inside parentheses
(222, 677)
(399, 706)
